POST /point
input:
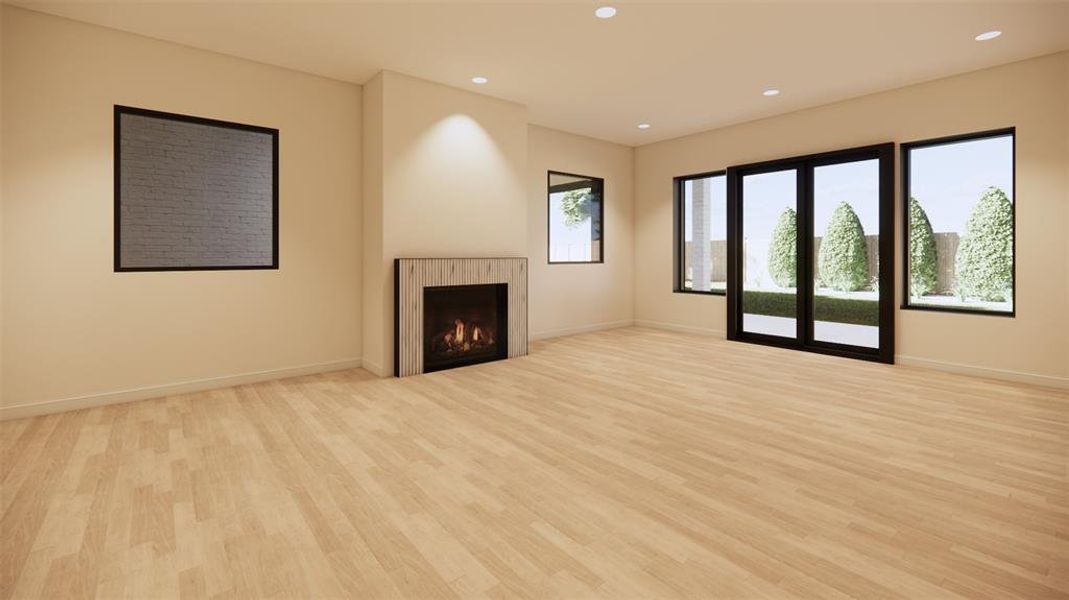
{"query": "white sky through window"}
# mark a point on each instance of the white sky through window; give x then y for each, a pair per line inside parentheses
(947, 180)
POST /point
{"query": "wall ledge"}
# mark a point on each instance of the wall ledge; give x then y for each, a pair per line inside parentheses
(555, 333)
(375, 368)
(1039, 379)
(987, 372)
(21, 411)
(680, 328)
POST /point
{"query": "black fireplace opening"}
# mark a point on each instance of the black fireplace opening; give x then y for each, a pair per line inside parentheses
(464, 325)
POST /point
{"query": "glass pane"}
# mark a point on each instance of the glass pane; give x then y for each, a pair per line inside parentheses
(705, 234)
(846, 243)
(769, 227)
(961, 225)
(575, 219)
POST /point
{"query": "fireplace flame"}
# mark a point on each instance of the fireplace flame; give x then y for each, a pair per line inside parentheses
(463, 336)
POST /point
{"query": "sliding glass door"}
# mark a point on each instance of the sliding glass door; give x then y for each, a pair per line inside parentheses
(846, 253)
(810, 260)
(769, 278)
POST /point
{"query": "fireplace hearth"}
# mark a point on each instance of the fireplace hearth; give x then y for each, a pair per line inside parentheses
(452, 312)
(464, 325)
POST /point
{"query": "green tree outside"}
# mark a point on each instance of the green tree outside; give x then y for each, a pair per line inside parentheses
(984, 263)
(578, 207)
(783, 250)
(923, 257)
(843, 258)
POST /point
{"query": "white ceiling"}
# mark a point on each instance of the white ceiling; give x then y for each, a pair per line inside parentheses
(683, 67)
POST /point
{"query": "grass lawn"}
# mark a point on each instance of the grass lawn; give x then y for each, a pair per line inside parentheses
(835, 310)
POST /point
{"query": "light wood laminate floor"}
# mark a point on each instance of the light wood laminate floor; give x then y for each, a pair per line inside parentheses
(630, 463)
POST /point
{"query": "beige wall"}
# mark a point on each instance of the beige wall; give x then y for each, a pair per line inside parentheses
(72, 327)
(446, 172)
(1031, 95)
(2, 12)
(1065, 171)
(376, 289)
(453, 165)
(571, 298)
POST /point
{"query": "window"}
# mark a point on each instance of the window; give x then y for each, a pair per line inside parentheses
(575, 218)
(701, 233)
(959, 210)
(194, 194)
(811, 253)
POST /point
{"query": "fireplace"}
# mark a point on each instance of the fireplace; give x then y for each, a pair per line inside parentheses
(450, 312)
(464, 325)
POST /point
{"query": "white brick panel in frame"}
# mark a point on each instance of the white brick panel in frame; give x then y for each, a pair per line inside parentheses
(414, 274)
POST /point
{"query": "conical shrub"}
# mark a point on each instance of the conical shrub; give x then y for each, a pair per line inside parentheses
(844, 259)
(923, 258)
(984, 263)
(783, 250)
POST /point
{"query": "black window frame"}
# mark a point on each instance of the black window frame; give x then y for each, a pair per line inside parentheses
(679, 236)
(904, 150)
(118, 112)
(597, 183)
(804, 338)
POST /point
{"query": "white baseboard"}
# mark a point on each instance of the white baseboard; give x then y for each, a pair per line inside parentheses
(1002, 374)
(680, 328)
(926, 363)
(553, 333)
(20, 411)
(375, 368)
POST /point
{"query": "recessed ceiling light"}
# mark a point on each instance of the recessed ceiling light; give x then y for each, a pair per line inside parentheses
(643, 125)
(988, 35)
(770, 92)
(479, 80)
(605, 12)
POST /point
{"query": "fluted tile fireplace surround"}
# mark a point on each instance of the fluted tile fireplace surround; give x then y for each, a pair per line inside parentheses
(453, 312)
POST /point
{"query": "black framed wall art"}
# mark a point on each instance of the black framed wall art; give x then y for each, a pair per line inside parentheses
(193, 193)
